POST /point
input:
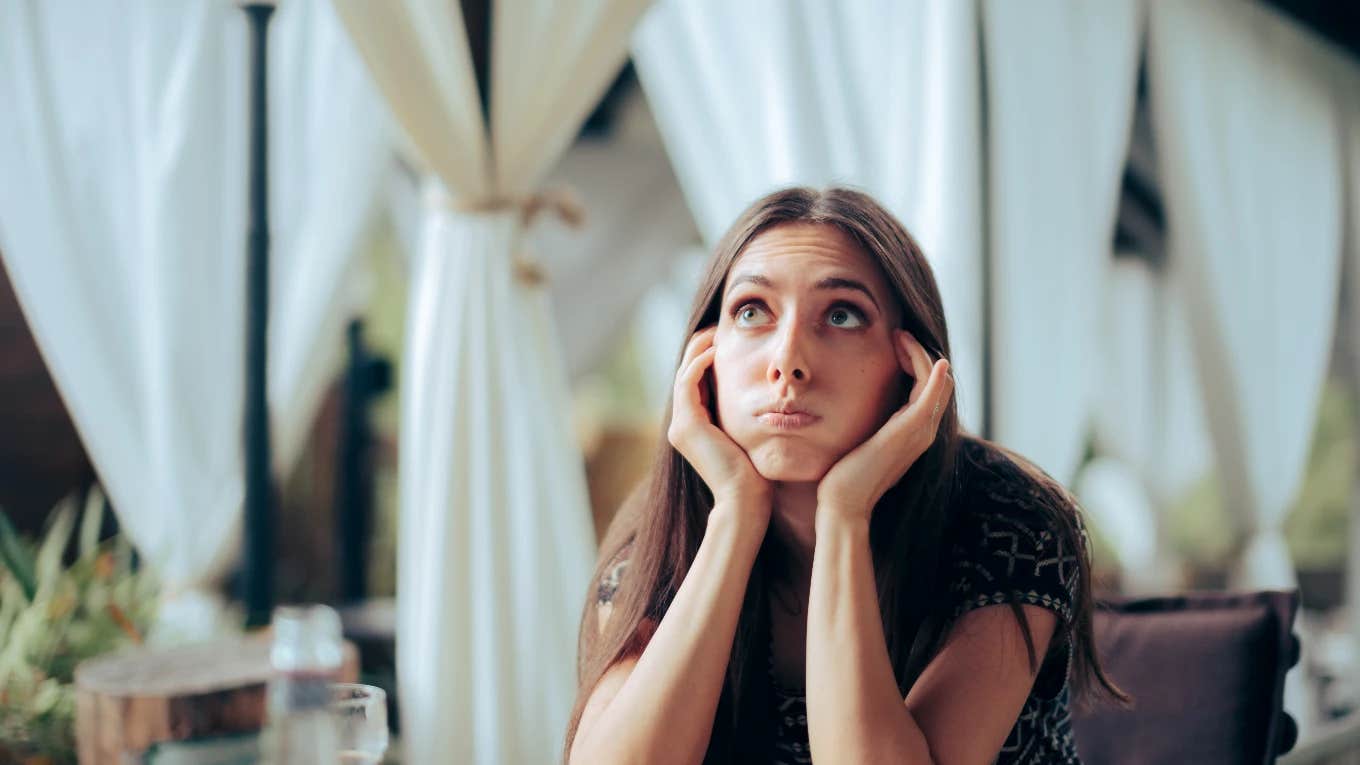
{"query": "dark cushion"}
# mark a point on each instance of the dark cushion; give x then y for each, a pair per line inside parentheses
(1206, 671)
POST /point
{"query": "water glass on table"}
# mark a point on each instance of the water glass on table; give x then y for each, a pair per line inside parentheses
(360, 714)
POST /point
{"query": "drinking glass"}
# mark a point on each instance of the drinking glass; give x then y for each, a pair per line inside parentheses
(360, 714)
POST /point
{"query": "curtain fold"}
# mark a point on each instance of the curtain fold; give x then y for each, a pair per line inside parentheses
(1245, 126)
(122, 221)
(754, 96)
(325, 186)
(495, 542)
(117, 216)
(1061, 80)
(1148, 418)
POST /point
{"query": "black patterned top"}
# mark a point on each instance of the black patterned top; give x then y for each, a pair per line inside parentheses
(1001, 550)
(1004, 549)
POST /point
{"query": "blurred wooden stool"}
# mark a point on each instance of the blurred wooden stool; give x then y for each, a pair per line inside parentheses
(130, 701)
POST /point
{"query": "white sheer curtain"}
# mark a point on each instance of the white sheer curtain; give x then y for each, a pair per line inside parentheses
(1060, 92)
(1148, 411)
(330, 149)
(1246, 132)
(753, 96)
(495, 539)
(1148, 419)
(122, 222)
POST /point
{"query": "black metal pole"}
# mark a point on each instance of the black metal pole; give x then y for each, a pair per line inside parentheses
(366, 378)
(258, 555)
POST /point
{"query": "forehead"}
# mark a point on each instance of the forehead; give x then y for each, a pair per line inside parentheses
(793, 253)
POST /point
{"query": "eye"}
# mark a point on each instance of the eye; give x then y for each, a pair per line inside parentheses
(845, 316)
(750, 314)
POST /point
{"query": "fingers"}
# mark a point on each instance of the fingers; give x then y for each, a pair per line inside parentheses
(693, 375)
(698, 357)
(916, 362)
(697, 343)
(938, 391)
(934, 383)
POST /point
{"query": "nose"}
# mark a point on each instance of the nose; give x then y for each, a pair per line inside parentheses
(788, 363)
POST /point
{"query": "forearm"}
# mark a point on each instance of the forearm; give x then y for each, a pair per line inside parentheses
(856, 713)
(664, 711)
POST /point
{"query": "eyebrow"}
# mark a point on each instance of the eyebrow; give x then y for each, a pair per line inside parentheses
(829, 283)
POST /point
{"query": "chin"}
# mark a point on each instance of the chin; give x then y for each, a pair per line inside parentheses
(789, 463)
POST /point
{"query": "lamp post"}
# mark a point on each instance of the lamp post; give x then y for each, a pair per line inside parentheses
(257, 558)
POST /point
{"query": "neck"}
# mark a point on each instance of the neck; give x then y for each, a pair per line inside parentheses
(793, 521)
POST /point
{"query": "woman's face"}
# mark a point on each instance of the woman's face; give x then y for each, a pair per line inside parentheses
(806, 325)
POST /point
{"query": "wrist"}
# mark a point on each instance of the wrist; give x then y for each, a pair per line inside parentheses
(745, 495)
(841, 516)
(745, 518)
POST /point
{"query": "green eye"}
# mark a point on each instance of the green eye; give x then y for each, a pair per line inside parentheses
(845, 317)
(748, 314)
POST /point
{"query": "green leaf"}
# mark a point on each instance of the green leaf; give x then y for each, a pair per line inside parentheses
(16, 557)
(91, 522)
(47, 566)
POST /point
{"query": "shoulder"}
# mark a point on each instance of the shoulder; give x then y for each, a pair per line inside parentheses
(1015, 535)
(996, 477)
(999, 487)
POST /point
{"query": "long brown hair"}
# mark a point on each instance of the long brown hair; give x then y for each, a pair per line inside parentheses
(663, 522)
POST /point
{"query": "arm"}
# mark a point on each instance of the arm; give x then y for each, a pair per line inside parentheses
(965, 702)
(659, 708)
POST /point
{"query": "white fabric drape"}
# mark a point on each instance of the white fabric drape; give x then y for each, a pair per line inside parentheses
(325, 187)
(122, 220)
(599, 272)
(753, 96)
(495, 542)
(1148, 417)
(1060, 94)
(1248, 154)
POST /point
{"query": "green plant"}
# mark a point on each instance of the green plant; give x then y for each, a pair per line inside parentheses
(1316, 527)
(53, 616)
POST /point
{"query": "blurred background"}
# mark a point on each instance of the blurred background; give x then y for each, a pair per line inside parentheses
(401, 342)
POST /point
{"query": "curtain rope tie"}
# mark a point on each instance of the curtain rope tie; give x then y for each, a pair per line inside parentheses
(561, 202)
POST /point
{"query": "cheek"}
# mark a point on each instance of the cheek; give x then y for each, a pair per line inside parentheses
(734, 368)
(725, 372)
(879, 390)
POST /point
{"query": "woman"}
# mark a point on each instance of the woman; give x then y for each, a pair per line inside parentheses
(817, 520)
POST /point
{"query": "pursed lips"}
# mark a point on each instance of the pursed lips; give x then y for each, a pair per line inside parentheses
(787, 417)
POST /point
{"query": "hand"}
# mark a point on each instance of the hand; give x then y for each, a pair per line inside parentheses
(723, 465)
(859, 479)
